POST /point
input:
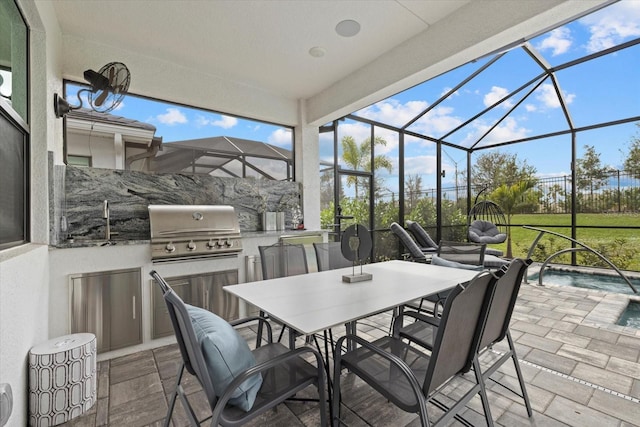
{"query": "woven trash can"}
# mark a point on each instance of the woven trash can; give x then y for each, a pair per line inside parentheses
(62, 379)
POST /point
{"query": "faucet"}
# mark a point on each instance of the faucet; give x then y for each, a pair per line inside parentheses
(105, 215)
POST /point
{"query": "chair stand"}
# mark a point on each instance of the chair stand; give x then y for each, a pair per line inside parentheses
(511, 353)
(179, 392)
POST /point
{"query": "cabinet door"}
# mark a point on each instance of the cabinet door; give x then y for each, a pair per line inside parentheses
(87, 308)
(216, 299)
(108, 305)
(124, 305)
(162, 326)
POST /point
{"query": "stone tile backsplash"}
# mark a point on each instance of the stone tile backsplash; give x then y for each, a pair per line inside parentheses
(81, 192)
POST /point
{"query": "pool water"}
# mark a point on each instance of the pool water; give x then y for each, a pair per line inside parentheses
(598, 282)
(631, 316)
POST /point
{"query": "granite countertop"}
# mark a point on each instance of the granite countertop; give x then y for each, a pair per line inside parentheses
(89, 243)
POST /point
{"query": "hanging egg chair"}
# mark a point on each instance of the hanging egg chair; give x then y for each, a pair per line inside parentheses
(486, 222)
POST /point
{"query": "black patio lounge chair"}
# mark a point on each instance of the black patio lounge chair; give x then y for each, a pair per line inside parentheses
(424, 240)
(239, 384)
(415, 253)
(410, 378)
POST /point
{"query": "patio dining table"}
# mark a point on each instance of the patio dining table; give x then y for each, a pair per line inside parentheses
(315, 302)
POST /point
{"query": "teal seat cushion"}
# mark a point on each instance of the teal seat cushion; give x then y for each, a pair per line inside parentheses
(226, 354)
(436, 260)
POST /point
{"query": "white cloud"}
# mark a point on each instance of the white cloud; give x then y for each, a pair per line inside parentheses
(530, 108)
(120, 106)
(225, 122)
(559, 41)
(446, 90)
(420, 165)
(171, 117)
(281, 138)
(496, 94)
(393, 112)
(613, 25)
(438, 121)
(507, 130)
(546, 94)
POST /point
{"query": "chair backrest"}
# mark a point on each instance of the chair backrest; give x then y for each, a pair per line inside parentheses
(421, 235)
(283, 260)
(461, 324)
(407, 242)
(501, 308)
(329, 256)
(462, 252)
(186, 337)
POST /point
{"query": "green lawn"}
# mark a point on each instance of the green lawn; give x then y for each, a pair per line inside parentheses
(593, 237)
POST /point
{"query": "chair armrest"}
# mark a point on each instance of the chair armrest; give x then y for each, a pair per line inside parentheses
(260, 320)
(398, 321)
(223, 399)
(392, 358)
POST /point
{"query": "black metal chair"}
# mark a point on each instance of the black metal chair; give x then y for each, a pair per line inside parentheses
(496, 327)
(282, 260)
(284, 372)
(409, 377)
(329, 256)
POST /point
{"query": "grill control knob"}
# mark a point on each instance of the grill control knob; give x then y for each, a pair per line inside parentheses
(191, 246)
(220, 243)
(211, 244)
(170, 248)
(228, 243)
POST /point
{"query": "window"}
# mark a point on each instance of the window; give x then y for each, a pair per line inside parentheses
(78, 160)
(14, 131)
(151, 135)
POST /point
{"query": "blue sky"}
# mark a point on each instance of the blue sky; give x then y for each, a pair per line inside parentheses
(597, 91)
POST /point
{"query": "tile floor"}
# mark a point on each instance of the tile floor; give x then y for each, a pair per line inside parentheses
(580, 369)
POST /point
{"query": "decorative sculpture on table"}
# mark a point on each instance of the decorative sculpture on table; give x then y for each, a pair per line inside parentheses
(356, 247)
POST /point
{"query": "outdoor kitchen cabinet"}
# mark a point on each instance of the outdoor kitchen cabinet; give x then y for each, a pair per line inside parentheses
(200, 290)
(108, 304)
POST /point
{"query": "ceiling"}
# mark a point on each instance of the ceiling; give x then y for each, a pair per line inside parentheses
(264, 44)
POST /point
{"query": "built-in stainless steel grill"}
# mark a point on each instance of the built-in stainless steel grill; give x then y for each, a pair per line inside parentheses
(180, 232)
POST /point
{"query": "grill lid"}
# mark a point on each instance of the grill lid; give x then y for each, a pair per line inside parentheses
(181, 222)
(182, 232)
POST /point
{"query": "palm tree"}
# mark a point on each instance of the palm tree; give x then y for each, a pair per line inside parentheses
(358, 157)
(510, 198)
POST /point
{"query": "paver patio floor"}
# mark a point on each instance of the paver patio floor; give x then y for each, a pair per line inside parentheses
(581, 370)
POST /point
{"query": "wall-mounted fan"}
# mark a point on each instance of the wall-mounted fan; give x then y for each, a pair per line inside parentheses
(108, 88)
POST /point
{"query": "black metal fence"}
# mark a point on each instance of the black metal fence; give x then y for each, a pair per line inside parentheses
(615, 191)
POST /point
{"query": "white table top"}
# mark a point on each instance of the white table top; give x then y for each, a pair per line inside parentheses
(314, 302)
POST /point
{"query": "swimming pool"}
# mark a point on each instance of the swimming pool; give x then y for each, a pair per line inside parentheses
(587, 280)
(631, 316)
(601, 282)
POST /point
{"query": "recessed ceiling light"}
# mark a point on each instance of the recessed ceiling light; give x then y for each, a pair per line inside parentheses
(317, 51)
(348, 28)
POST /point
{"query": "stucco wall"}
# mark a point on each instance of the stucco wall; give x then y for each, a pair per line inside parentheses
(24, 299)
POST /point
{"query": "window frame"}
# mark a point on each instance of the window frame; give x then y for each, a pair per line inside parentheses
(14, 119)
